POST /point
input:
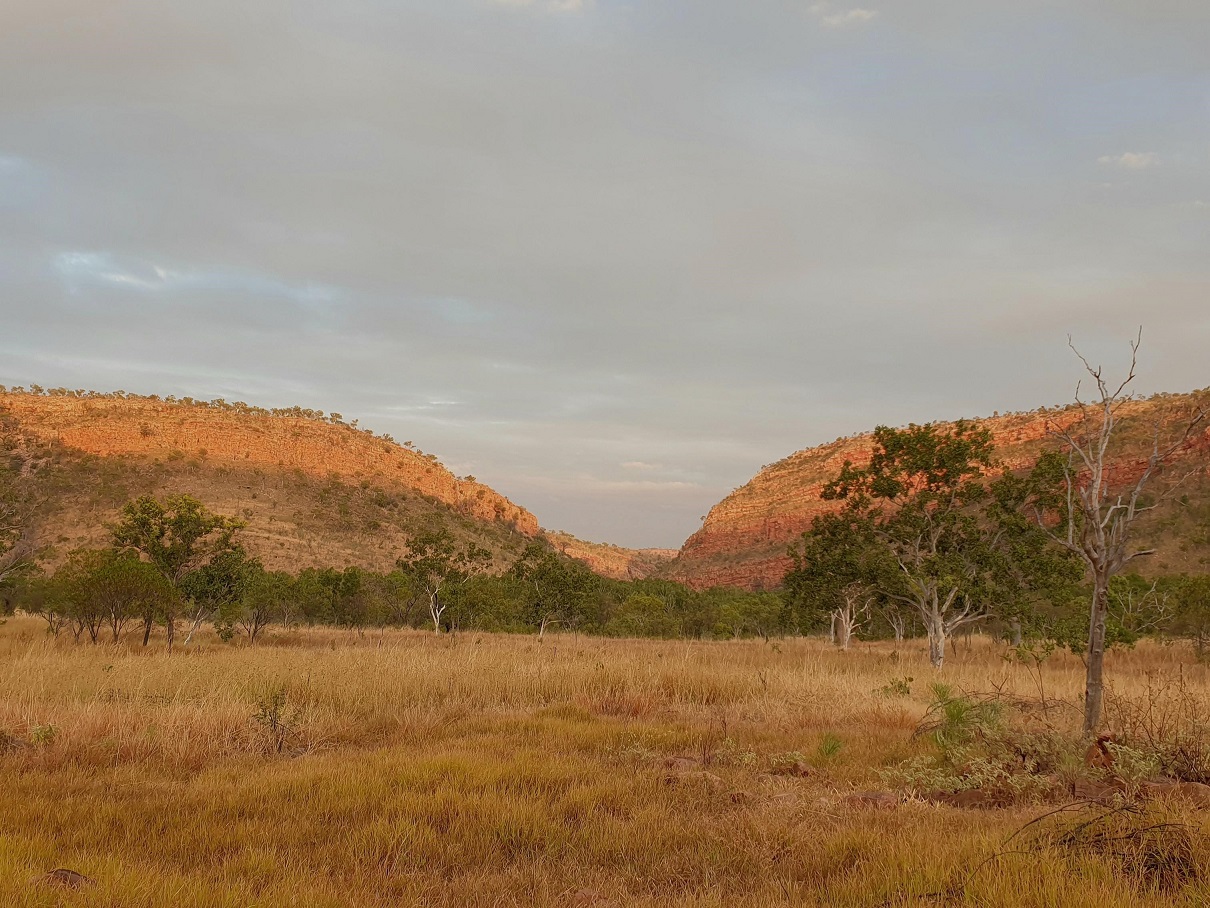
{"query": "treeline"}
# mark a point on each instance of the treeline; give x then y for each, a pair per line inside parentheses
(176, 567)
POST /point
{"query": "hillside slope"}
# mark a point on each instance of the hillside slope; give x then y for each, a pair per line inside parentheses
(314, 490)
(744, 538)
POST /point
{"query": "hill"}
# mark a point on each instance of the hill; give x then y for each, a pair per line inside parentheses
(314, 490)
(744, 538)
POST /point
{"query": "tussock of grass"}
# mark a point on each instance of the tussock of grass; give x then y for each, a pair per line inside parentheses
(492, 770)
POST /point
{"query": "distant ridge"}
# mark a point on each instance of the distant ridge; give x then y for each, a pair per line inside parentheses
(743, 540)
(312, 487)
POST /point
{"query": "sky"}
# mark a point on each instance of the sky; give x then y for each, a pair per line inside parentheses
(609, 256)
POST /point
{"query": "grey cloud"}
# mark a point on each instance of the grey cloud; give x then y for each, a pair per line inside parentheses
(546, 240)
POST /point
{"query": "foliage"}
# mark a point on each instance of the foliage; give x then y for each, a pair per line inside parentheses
(955, 720)
(435, 563)
(558, 590)
(918, 497)
(644, 615)
(897, 687)
(839, 564)
(178, 535)
(95, 589)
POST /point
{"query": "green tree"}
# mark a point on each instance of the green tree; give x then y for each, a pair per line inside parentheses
(644, 615)
(841, 570)
(262, 599)
(739, 613)
(178, 537)
(123, 588)
(435, 563)
(1192, 611)
(558, 588)
(95, 589)
(216, 587)
(920, 495)
(1028, 574)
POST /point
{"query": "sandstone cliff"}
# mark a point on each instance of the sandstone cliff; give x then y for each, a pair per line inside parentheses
(744, 538)
(613, 560)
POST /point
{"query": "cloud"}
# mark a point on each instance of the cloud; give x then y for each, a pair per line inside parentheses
(584, 483)
(686, 233)
(552, 6)
(640, 465)
(80, 270)
(1131, 160)
(829, 17)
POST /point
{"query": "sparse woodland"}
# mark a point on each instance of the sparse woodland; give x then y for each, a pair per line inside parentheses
(969, 689)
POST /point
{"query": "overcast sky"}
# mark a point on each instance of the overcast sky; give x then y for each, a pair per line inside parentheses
(610, 257)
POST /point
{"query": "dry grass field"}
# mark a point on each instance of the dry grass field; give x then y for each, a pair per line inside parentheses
(326, 769)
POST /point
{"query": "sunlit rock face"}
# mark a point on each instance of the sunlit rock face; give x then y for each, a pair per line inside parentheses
(744, 538)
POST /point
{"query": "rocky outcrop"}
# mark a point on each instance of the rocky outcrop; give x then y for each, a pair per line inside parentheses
(125, 426)
(744, 538)
(613, 561)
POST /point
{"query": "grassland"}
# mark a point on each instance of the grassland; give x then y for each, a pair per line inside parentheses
(325, 768)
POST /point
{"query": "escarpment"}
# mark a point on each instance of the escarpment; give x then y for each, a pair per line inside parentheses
(744, 538)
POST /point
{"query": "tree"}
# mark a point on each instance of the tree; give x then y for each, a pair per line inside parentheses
(644, 615)
(218, 587)
(1100, 505)
(95, 589)
(1193, 611)
(558, 587)
(737, 613)
(37, 594)
(262, 600)
(840, 571)
(1027, 572)
(178, 537)
(919, 495)
(119, 587)
(435, 563)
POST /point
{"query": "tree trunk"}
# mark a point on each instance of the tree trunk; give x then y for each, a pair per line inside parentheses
(898, 626)
(148, 620)
(844, 632)
(1094, 688)
(845, 621)
(1017, 634)
(435, 613)
(197, 622)
(935, 625)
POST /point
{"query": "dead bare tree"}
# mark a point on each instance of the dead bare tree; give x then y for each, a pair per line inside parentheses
(1099, 511)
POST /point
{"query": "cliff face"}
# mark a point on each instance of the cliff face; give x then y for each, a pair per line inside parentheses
(138, 427)
(744, 538)
(612, 560)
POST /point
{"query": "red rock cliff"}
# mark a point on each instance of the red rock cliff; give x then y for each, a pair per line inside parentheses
(744, 538)
(108, 426)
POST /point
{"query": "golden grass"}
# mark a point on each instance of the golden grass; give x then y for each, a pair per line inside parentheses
(496, 770)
